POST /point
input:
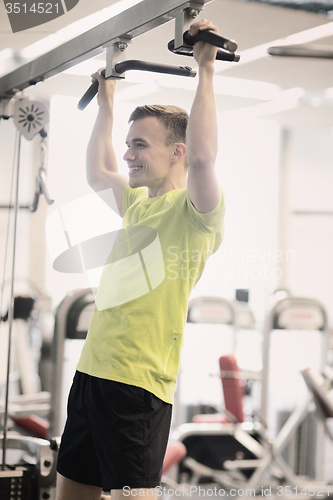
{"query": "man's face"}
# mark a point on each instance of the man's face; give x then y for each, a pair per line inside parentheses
(147, 156)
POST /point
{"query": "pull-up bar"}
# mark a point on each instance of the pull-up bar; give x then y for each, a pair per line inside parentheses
(113, 36)
(124, 66)
(133, 22)
(225, 53)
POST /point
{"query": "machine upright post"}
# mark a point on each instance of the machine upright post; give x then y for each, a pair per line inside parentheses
(11, 306)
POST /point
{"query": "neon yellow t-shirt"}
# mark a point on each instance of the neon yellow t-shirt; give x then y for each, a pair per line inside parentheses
(136, 332)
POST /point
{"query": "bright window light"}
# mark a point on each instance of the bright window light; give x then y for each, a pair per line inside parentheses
(68, 32)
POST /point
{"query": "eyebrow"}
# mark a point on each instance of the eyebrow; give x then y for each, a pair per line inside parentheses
(137, 139)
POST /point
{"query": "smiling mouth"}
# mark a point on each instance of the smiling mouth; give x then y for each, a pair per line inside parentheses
(134, 169)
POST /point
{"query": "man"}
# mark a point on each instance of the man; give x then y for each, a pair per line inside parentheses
(121, 399)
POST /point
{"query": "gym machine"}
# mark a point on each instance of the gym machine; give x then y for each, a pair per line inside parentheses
(72, 321)
(246, 456)
(112, 36)
(199, 383)
(296, 333)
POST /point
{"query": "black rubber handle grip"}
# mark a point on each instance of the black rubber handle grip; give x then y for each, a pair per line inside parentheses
(221, 55)
(154, 68)
(212, 38)
(89, 94)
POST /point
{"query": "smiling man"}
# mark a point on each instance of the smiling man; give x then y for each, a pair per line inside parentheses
(120, 404)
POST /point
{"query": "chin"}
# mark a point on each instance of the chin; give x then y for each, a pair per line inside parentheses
(134, 183)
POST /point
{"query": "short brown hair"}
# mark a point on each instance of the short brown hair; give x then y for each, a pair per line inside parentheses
(173, 118)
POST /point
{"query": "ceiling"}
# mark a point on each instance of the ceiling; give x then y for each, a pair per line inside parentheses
(304, 93)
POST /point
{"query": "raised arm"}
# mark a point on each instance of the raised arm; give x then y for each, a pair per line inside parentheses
(201, 137)
(102, 169)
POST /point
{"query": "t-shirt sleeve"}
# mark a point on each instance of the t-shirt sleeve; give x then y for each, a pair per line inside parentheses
(209, 222)
(131, 195)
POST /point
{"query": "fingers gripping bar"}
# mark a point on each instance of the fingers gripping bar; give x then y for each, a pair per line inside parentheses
(212, 38)
(224, 53)
(136, 65)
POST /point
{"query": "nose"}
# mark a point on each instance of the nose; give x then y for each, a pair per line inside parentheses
(129, 155)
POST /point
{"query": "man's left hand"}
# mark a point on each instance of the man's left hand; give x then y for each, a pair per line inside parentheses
(203, 52)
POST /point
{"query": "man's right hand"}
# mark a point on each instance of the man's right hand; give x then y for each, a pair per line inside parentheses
(106, 88)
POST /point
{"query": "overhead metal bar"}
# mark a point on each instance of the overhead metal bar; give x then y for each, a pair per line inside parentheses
(133, 22)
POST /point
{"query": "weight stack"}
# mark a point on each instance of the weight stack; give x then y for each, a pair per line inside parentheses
(19, 483)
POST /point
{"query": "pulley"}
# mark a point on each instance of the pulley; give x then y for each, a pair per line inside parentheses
(30, 117)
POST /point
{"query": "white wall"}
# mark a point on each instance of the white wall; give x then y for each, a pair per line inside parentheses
(310, 162)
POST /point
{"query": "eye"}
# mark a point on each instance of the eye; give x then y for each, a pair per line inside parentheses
(140, 145)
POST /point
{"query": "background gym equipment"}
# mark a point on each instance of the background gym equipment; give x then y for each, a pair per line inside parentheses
(244, 457)
(290, 319)
(72, 321)
(320, 386)
(30, 117)
(295, 336)
(223, 454)
(32, 473)
(233, 394)
(199, 384)
(313, 51)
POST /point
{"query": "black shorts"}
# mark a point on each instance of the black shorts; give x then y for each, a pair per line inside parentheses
(115, 435)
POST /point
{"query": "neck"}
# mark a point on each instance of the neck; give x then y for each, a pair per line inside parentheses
(168, 185)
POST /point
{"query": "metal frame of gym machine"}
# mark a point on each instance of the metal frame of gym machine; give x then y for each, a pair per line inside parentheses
(291, 313)
(107, 36)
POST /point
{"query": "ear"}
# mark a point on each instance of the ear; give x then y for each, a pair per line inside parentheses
(179, 151)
